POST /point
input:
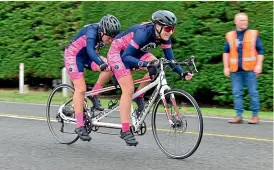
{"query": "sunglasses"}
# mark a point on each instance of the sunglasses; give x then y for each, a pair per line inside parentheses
(169, 28)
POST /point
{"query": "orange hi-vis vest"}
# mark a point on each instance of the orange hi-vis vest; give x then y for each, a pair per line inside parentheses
(250, 53)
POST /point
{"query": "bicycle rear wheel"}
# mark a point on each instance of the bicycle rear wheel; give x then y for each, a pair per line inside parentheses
(60, 100)
(178, 124)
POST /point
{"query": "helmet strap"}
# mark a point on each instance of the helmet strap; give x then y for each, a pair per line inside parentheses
(100, 35)
(159, 32)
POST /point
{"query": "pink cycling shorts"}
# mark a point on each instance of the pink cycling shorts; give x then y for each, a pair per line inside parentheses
(74, 67)
(115, 61)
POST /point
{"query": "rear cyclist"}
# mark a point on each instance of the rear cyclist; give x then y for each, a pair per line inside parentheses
(82, 52)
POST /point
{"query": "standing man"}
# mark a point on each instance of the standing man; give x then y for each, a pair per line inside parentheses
(243, 59)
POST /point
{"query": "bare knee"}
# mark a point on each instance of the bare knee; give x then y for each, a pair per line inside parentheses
(127, 86)
(129, 89)
(80, 90)
(80, 87)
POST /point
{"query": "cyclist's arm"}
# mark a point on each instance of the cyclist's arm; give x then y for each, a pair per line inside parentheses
(166, 46)
(91, 43)
(139, 39)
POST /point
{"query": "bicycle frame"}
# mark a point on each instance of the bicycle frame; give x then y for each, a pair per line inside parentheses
(163, 97)
(161, 86)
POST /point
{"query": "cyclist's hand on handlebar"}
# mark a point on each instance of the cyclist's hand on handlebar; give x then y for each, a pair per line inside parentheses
(104, 67)
(187, 76)
(152, 68)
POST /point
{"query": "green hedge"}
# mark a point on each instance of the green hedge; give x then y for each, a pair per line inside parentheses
(36, 33)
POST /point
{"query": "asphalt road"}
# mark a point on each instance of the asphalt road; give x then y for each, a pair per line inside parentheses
(26, 143)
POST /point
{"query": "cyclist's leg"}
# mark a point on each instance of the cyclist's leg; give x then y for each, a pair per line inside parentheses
(103, 78)
(146, 57)
(75, 69)
(140, 99)
(126, 83)
(125, 80)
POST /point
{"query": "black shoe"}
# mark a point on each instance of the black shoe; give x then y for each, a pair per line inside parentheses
(140, 104)
(96, 103)
(82, 133)
(129, 138)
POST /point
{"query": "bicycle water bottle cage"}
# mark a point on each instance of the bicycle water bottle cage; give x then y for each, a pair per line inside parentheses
(112, 103)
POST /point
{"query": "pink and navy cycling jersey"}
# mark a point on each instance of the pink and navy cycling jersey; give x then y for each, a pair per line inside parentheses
(84, 44)
(137, 40)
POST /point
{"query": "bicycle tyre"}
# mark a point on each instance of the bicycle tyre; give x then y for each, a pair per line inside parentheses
(199, 115)
(49, 118)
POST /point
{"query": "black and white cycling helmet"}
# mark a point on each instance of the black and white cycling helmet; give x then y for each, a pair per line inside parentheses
(164, 17)
(109, 25)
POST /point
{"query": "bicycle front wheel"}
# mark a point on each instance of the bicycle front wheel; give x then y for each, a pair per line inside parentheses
(177, 124)
(60, 100)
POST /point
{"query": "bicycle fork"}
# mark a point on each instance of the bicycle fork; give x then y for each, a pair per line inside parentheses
(174, 104)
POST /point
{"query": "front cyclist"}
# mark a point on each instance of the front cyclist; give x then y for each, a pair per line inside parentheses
(129, 50)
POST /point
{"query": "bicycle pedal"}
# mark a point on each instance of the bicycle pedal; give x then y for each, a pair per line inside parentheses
(142, 129)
